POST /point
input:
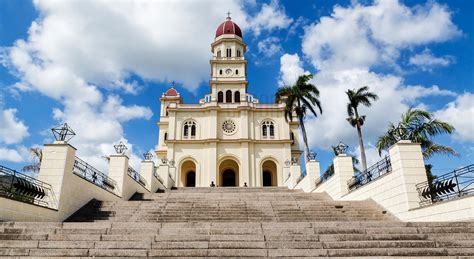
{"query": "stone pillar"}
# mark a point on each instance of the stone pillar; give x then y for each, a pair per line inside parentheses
(295, 171)
(343, 171)
(146, 171)
(312, 172)
(407, 160)
(58, 160)
(118, 169)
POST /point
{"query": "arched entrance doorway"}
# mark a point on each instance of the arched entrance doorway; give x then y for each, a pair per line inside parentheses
(228, 173)
(188, 174)
(269, 173)
(229, 178)
(267, 178)
(191, 179)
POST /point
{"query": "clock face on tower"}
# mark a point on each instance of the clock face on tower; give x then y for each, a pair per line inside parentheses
(228, 72)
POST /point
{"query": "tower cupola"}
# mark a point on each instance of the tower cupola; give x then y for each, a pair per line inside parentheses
(228, 27)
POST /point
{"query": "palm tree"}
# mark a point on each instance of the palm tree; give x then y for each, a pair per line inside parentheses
(357, 97)
(418, 126)
(299, 98)
(37, 155)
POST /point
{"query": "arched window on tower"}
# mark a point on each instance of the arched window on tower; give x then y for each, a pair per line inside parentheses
(220, 97)
(292, 138)
(228, 96)
(165, 137)
(220, 71)
(238, 53)
(229, 53)
(268, 129)
(193, 131)
(219, 53)
(237, 97)
(189, 129)
(236, 71)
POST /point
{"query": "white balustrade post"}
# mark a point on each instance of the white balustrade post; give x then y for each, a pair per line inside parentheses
(343, 172)
(295, 171)
(57, 163)
(407, 161)
(118, 170)
(163, 171)
(312, 172)
(286, 176)
(173, 177)
(147, 168)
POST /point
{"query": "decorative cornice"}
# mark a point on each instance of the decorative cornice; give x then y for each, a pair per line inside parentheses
(239, 140)
(209, 108)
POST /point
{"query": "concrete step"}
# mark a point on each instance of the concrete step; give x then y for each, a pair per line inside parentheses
(234, 222)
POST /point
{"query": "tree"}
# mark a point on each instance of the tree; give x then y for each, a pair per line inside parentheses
(357, 97)
(37, 155)
(299, 98)
(418, 126)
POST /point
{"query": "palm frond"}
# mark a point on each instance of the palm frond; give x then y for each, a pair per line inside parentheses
(438, 149)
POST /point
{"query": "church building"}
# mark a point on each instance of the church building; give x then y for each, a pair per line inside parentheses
(228, 138)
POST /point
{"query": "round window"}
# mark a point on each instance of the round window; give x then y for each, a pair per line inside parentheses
(229, 127)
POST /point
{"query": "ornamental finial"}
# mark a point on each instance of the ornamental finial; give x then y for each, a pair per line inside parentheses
(120, 148)
(63, 132)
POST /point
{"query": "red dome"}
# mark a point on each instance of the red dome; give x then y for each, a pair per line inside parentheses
(171, 92)
(228, 27)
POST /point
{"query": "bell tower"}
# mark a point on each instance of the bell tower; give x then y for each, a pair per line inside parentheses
(228, 65)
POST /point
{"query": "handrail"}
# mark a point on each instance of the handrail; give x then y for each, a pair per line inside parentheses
(24, 188)
(136, 176)
(455, 184)
(92, 175)
(372, 173)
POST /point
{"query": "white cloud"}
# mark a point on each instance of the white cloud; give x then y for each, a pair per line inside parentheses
(82, 54)
(426, 61)
(346, 45)
(394, 99)
(460, 113)
(290, 69)
(12, 130)
(269, 47)
(11, 155)
(363, 36)
(271, 16)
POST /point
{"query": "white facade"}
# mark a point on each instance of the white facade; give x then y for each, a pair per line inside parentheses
(229, 138)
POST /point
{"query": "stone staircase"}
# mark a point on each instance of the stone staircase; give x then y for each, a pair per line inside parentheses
(234, 222)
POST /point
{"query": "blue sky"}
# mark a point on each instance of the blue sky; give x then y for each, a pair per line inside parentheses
(80, 61)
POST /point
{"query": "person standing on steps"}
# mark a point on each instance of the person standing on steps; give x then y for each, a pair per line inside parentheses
(212, 184)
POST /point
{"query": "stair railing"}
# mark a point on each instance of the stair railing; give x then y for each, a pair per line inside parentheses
(24, 188)
(455, 184)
